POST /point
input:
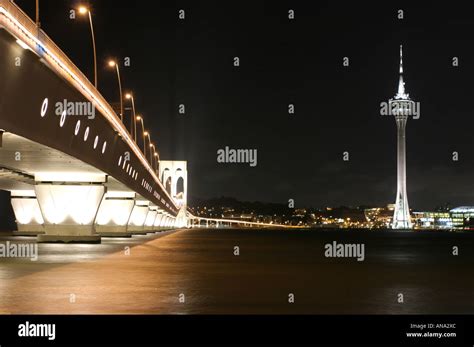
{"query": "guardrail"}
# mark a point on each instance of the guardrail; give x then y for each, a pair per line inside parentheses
(24, 28)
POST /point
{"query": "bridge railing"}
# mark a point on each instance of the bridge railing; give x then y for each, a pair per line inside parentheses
(25, 29)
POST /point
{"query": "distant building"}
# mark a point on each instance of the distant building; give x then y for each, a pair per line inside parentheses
(432, 220)
(463, 217)
(457, 218)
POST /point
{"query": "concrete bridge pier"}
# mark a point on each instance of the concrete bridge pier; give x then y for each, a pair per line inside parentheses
(164, 221)
(150, 219)
(136, 223)
(173, 222)
(29, 219)
(167, 221)
(69, 204)
(157, 221)
(114, 214)
(181, 220)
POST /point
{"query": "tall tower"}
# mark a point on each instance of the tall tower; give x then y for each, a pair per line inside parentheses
(401, 107)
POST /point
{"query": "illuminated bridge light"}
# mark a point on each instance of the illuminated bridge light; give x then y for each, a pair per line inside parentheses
(44, 107)
(63, 118)
(78, 127)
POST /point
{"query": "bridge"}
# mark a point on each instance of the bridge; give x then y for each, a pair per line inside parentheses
(200, 222)
(76, 177)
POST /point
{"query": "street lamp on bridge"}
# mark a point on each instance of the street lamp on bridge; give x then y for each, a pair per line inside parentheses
(112, 63)
(37, 14)
(84, 10)
(150, 145)
(133, 124)
(144, 133)
(155, 155)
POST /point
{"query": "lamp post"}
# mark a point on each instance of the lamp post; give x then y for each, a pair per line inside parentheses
(151, 152)
(154, 154)
(37, 14)
(157, 162)
(84, 10)
(150, 145)
(112, 64)
(144, 133)
(133, 124)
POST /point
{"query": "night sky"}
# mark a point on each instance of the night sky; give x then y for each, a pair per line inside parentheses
(286, 61)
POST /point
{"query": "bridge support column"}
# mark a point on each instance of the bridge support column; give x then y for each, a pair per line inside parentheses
(136, 224)
(181, 219)
(172, 222)
(161, 221)
(29, 219)
(114, 213)
(165, 221)
(158, 219)
(69, 204)
(150, 219)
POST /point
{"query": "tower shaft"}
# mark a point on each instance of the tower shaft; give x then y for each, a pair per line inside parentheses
(401, 216)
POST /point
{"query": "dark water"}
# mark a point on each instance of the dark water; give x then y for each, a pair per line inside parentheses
(272, 264)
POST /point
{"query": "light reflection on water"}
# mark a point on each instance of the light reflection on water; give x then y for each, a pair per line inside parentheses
(59, 253)
(201, 265)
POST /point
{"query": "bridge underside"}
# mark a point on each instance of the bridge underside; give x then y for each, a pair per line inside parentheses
(60, 198)
(72, 176)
